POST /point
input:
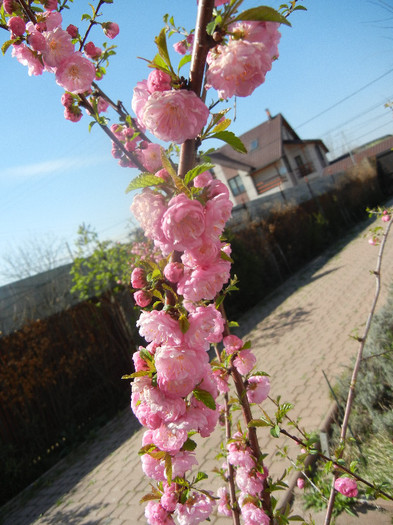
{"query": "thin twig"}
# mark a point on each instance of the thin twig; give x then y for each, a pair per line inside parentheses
(338, 466)
(351, 392)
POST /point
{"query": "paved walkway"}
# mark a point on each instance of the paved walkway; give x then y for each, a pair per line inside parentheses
(302, 331)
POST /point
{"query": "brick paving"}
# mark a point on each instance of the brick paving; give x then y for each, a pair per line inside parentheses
(302, 330)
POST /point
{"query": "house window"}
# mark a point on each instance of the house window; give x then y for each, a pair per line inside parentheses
(254, 145)
(236, 185)
(321, 158)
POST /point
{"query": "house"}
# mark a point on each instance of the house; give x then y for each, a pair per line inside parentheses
(277, 159)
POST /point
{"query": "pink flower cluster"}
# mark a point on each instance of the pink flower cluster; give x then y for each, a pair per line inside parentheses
(175, 391)
(45, 46)
(250, 480)
(172, 115)
(240, 66)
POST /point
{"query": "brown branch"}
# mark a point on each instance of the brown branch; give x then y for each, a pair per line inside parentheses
(351, 392)
(202, 43)
(29, 13)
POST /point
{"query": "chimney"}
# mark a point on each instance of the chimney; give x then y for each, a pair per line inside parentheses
(268, 114)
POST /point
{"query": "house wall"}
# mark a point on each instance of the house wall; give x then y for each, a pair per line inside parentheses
(224, 173)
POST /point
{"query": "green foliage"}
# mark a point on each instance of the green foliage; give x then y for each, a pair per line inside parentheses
(262, 14)
(144, 180)
(100, 265)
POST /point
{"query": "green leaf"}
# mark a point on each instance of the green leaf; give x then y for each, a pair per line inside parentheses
(275, 431)
(194, 172)
(168, 468)
(184, 61)
(184, 324)
(225, 257)
(189, 445)
(219, 300)
(200, 476)
(223, 125)
(6, 45)
(205, 397)
(231, 139)
(259, 423)
(160, 41)
(144, 180)
(262, 14)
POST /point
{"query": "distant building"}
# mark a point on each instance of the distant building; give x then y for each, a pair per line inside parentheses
(277, 159)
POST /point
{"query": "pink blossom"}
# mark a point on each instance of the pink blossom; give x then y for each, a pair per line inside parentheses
(153, 468)
(58, 47)
(10, 6)
(206, 326)
(163, 174)
(204, 282)
(169, 499)
(196, 509)
(169, 438)
(139, 362)
(258, 388)
(264, 32)
(182, 462)
(139, 99)
(180, 47)
(202, 179)
(149, 208)
(244, 361)
(216, 188)
(158, 81)
(385, 216)
(150, 157)
(72, 113)
(26, 57)
(183, 223)
(75, 74)
(102, 105)
(175, 115)
(374, 241)
(142, 298)
(72, 31)
(159, 327)
(218, 212)
(224, 504)
(300, 483)
(173, 271)
(138, 278)
(248, 482)
(91, 51)
(237, 68)
(52, 20)
(179, 369)
(205, 254)
(232, 343)
(157, 515)
(50, 5)
(221, 379)
(240, 456)
(37, 41)
(111, 29)
(253, 515)
(17, 25)
(347, 487)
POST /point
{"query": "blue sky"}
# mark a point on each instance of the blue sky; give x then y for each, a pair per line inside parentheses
(55, 175)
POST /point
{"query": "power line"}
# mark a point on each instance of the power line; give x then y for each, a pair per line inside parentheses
(344, 99)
